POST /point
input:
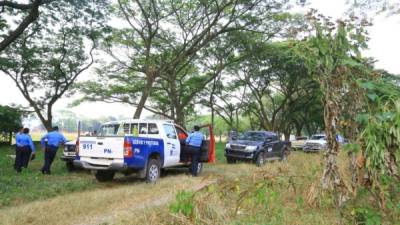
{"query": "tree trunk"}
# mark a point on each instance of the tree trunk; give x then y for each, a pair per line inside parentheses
(331, 178)
(145, 94)
(299, 128)
(180, 116)
(287, 134)
(10, 137)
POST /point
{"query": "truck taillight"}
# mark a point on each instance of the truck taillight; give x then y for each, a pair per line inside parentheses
(77, 147)
(127, 149)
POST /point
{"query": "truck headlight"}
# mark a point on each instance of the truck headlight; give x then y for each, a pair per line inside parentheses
(228, 145)
(251, 148)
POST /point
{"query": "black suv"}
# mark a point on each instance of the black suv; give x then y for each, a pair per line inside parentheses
(257, 146)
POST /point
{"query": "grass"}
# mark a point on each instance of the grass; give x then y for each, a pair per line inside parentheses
(277, 193)
(30, 185)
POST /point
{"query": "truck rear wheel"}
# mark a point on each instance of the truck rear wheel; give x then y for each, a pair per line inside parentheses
(104, 175)
(153, 171)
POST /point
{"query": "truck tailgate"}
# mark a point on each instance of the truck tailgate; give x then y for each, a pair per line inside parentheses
(102, 147)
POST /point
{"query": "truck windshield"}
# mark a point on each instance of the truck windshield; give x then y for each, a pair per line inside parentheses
(252, 136)
(318, 137)
(109, 130)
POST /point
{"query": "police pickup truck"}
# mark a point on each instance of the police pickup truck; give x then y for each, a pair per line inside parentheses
(135, 146)
(257, 146)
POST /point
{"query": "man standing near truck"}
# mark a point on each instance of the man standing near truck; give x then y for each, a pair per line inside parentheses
(193, 147)
(50, 142)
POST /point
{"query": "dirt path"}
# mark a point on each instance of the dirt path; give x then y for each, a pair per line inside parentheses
(101, 206)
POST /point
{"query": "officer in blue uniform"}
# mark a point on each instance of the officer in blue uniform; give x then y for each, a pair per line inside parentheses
(20, 131)
(50, 142)
(193, 146)
(25, 148)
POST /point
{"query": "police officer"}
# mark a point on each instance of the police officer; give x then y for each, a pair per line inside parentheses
(20, 131)
(24, 150)
(50, 142)
(193, 146)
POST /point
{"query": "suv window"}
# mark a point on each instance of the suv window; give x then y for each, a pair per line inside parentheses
(169, 131)
(126, 128)
(109, 130)
(143, 128)
(181, 133)
(153, 129)
(135, 129)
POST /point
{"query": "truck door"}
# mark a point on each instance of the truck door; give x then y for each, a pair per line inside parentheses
(172, 148)
(276, 149)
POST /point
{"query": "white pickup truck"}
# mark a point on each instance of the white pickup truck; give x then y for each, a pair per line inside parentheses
(135, 146)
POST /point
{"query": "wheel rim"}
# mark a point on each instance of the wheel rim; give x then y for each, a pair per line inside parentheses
(153, 173)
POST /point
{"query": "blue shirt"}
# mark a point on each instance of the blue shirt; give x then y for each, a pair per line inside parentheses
(195, 139)
(23, 140)
(53, 138)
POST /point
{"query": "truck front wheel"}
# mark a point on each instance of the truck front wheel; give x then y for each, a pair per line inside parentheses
(153, 171)
(104, 175)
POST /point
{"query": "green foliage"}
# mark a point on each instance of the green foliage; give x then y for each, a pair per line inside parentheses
(367, 216)
(183, 203)
(10, 119)
(46, 60)
(171, 67)
(380, 133)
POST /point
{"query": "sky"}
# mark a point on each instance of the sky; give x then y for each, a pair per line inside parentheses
(384, 47)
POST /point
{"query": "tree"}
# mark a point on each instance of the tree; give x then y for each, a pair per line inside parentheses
(276, 80)
(330, 56)
(10, 121)
(390, 7)
(47, 59)
(161, 38)
(30, 12)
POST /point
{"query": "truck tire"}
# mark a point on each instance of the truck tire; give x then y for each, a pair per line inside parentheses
(70, 166)
(230, 160)
(153, 171)
(104, 175)
(260, 161)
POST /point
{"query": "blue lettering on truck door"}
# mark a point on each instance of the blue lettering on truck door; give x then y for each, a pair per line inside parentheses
(142, 148)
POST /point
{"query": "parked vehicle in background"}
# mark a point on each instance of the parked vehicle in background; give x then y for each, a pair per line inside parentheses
(299, 143)
(257, 146)
(137, 146)
(69, 155)
(318, 142)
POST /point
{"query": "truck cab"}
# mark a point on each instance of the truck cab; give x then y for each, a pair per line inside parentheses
(133, 146)
(256, 146)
